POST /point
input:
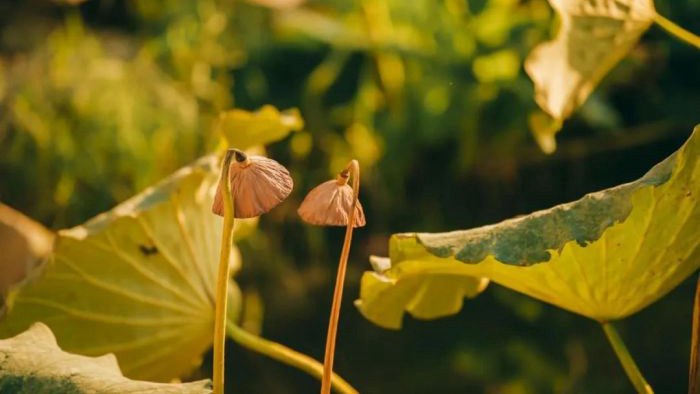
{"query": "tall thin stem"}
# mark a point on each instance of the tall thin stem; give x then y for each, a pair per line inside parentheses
(354, 169)
(677, 31)
(694, 371)
(630, 367)
(223, 276)
(285, 355)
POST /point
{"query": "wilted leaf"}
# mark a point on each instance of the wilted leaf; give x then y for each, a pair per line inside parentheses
(136, 281)
(245, 129)
(594, 36)
(23, 242)
(605, 256)
(32, 363)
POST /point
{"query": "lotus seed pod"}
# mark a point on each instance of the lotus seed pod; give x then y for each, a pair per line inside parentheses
(329, 204)
(258, 184)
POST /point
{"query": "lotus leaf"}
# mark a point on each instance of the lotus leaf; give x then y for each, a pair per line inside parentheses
(32, 362)
(136, 281)
(605, 256)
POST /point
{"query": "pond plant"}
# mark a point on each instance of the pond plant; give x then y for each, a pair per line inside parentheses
(138, 281)
(132, 299)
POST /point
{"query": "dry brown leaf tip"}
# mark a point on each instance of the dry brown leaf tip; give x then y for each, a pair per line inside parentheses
(258, 184)
(330, 204)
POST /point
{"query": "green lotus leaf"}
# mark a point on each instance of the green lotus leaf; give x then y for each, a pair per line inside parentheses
(244, 129)
(136, 281)
(32, 362)
(594, 36)
(605, 256)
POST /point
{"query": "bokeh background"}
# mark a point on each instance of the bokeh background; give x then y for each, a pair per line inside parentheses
(101, 98)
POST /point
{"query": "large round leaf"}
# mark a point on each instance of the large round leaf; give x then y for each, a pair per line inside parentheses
(136, 281)
(32, 362)
(605, 256)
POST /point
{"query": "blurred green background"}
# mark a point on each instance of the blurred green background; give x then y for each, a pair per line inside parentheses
(99, 99)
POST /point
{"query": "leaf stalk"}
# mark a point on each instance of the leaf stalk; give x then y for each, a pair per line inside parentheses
(354, 169)
(285, 355)
(677, 31)
(630, 367)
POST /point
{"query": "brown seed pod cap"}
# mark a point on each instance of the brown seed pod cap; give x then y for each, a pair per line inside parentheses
(329, 204)
(258, 184)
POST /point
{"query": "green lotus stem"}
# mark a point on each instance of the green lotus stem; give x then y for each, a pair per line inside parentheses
(633, 373)
(285, 355)
(222, 277)
(677, 31)
(694, 371)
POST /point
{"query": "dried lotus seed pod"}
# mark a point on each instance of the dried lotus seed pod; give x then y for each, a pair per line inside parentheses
(258, 184)
(329, 204)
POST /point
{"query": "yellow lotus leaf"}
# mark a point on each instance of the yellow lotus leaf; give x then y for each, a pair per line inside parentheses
(605, 256)
(244, 129)
(32, 362)
(594, 36)
(136, 281)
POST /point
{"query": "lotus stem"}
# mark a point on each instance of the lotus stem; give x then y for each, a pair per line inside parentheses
(677, 31)
(354, 169)
(285, 355)
(694, 371)
(223, 276)
(630, 367)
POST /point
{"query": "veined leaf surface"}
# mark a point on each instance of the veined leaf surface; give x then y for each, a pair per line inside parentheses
(605, 256)
(136, 281)
(32, 362)
(594, 36)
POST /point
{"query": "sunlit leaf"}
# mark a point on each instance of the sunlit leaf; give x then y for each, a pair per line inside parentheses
(605, 256)
(594, 36)
(245, 129)
(136, 281)
(24, 243)
(32, 362)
